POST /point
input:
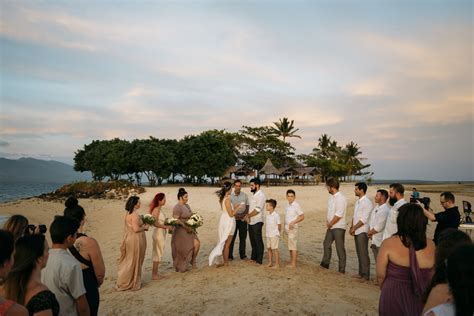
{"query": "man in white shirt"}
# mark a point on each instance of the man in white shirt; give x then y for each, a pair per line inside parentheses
(255, 220)
(378, 220)
(360, 228)
(335, 225)
(63, 274)
(293, 215)
(396, 200)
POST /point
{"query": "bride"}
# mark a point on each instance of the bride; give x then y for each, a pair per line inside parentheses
(226, 226)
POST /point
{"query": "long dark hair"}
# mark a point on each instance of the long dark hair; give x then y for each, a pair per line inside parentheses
(226, 187)
(411, 222)
(460, 271)
(27, 251)
(16, 225)
(131, 202)
(449, 240)
(156, 201)
(181, 192)
(8, 244)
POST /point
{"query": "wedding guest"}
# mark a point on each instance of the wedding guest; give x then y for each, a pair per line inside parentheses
(132, 248)
(335, 225)
(24, 280)
(159, 232)
(378, 219)
(272, 232)
(226, 226)
(240, 202)
(184, 242)
(63, 275)
(293, 215)
(17, 225)
(255, 220)
(87, 251)
(459, 271)
(438, 292)
(405, 264)
(360, 229)
(396, 200)
(8, 307)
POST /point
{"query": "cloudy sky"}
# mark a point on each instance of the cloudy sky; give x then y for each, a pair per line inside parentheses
(396, 77)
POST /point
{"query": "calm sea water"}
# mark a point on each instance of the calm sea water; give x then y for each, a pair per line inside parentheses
(11, 191)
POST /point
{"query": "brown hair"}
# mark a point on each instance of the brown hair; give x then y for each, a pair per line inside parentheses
(332, 183)
(16, 225)
(411, 222)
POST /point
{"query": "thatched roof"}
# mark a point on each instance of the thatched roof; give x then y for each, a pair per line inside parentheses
(238, 171)
(306, 171)
(269, 168)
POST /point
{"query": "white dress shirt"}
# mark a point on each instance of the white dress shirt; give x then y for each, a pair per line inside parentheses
(292, 211)
(391, 225)
(271, 224)
(337, 205)
(362, 210)
(257, 202)
(377, 222)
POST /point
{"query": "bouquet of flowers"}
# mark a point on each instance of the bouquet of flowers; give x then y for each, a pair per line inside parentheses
(171, 222)
(149, 219)
(195, 221)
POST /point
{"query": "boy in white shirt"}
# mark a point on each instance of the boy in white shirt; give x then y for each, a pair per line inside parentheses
(293, 215)
(272, 229)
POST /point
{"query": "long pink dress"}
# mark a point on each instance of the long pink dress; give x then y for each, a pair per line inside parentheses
(132, 255)
(182, 242)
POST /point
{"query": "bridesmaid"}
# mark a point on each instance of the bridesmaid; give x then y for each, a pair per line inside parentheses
(159, 233)
(132, 249)
(184, 243)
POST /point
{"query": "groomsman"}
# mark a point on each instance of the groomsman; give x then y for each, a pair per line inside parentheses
(240, 202)
(396, 200)
(360, 228)
(255, 220)
(378, 220)
(335, 225)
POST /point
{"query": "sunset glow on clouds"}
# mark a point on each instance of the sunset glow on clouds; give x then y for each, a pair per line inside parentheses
(395, 77)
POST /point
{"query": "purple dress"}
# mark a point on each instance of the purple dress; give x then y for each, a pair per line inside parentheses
(403, 288)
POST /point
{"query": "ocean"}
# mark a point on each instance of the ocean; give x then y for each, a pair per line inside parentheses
(11, 191)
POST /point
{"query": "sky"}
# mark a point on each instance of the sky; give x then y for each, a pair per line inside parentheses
(396, 77)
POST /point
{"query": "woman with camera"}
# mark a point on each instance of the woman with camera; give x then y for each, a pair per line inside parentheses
(87, 251)
(24, 280)
(19, 226)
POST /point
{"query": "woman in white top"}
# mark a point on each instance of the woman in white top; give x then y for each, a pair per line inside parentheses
(226, 226)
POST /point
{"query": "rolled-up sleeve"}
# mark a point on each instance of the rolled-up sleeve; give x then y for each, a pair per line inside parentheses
(365, 212)
(260, 205)
(340, 207)
(380, 220)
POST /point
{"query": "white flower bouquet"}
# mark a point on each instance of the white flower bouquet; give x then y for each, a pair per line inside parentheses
(195, 221)
(171, 222)
(149, 219)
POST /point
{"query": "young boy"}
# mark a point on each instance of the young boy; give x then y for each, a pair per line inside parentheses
(273, 229)
(293, 215)
(63, 274)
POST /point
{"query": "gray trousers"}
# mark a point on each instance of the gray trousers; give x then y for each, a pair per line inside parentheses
(375, 250)
(336, 234)
(362, 249)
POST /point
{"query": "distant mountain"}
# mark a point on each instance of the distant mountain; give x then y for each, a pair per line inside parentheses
(35, 170)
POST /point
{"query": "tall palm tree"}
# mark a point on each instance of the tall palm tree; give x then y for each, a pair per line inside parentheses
(285, 128)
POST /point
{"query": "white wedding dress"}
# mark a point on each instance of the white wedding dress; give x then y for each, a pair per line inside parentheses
(226, 229)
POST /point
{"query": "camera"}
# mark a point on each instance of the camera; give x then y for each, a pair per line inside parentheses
(424, 200)
(467, 210)
(33, 229)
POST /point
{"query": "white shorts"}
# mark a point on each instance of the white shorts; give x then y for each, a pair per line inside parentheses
(292, 238)
(272, 242)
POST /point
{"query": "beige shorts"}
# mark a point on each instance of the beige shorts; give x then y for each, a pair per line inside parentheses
(292, 238)
(272, 242)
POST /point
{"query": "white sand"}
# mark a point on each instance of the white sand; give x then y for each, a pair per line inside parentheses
(242, 288)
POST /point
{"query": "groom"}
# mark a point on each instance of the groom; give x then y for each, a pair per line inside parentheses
(255, 220)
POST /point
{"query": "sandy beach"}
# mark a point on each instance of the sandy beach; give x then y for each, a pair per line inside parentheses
(242, 288)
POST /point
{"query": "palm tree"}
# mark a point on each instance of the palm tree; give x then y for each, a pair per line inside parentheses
(285, 128)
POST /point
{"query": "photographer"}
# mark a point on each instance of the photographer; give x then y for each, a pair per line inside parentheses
(449, 218)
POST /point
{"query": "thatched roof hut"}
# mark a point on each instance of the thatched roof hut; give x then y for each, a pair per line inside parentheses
(269, 168)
